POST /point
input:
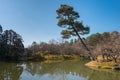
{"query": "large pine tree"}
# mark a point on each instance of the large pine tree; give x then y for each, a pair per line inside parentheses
(67, 19)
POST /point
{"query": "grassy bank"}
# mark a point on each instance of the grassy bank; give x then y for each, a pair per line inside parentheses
(61, 57)
(103, 65)
(40, 57)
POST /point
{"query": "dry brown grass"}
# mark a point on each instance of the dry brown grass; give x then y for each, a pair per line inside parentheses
(100, 64)
(60, 57)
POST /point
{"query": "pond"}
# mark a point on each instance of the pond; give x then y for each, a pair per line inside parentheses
(53, 70)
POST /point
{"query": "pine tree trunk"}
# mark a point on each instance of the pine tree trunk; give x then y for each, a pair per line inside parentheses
(91, 57)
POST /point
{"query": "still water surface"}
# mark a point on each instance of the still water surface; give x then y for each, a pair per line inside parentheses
(60, 70)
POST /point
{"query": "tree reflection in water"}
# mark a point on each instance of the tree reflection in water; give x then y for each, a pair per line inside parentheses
(65, 70)
(10, 71)
(62, 70)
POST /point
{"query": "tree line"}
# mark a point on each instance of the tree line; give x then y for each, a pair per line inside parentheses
(106, 44)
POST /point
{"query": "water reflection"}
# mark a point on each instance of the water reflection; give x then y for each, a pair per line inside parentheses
(62, 70)
(66, 70)
(10, 71)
